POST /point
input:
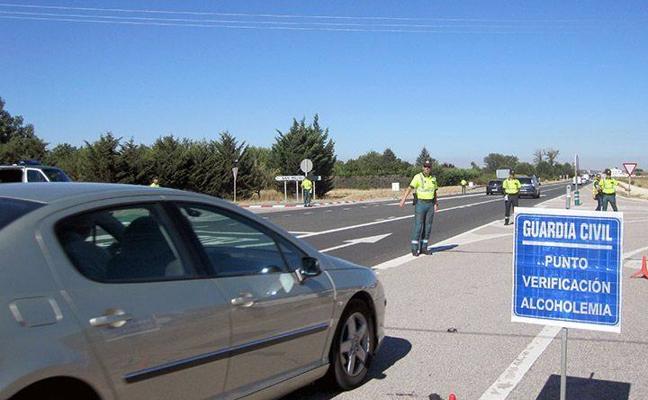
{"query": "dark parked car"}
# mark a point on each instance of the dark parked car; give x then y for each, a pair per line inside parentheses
(530, 186)
(495, 187)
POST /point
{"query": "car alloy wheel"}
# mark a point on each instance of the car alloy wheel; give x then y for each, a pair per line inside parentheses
(353, 346)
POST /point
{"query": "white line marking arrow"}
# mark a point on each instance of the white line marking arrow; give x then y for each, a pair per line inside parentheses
(368, 239)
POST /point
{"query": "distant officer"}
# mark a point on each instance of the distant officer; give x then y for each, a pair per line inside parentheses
(463, 186)
(596, 192)
(307, 185)
(511, 186)
(155, 183)
(608, 190)
(426, 204)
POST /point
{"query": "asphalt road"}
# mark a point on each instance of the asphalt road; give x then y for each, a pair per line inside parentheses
(330, 227)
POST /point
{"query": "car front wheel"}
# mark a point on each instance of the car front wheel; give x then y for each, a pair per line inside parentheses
(353, 346)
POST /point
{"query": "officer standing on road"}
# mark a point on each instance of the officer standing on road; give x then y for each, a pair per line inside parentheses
(596, 192)
(307, 185)
(511, 186)
(608, 190)
(463, 186)
(425, 205)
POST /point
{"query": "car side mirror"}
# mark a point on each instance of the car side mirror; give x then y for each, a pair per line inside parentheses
(310, 268)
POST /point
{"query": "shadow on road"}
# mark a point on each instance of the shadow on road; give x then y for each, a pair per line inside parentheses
(391, 351)
(585, 389)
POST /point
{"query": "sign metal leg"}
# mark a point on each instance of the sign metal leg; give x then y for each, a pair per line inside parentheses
(563, 365)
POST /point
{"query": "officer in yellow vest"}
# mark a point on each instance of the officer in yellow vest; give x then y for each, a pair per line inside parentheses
(596, 192)
(463, 186)
(307, 185)
(511, 186)
(155, 183)
(608, 190)
(426, 204)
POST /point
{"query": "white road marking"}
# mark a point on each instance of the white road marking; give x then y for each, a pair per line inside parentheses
(345, 228)
(511, 376)
(370, 239)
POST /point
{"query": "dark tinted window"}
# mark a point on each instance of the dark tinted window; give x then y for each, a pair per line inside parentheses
(525, 181)
(56, 175)
(13, 209)
(131, 244)
(10, 175)
(235, 245)
(35, 176)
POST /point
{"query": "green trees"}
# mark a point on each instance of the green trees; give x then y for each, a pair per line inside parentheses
(18, 141)
(305, 141)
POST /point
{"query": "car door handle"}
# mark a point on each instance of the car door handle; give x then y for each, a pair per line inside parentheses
(112, 318)
(244, 300)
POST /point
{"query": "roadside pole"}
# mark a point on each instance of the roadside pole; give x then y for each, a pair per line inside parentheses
(235, 173)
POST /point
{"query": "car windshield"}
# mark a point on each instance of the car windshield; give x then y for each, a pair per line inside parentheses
(12, 209)
(10, 175)
(525, 181)
(56, 175)
(494, 182)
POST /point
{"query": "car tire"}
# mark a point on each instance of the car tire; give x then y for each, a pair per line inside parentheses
(354, 336)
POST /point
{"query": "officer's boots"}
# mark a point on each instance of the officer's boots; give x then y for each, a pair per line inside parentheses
(506, 221)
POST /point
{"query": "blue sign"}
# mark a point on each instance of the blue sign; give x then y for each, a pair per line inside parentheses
(567, 268)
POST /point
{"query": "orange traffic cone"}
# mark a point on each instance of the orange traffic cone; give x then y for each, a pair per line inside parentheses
(452, 397)
(643, 272)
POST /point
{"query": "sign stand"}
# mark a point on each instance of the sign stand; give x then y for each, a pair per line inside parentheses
(563, 365)
(629, 167)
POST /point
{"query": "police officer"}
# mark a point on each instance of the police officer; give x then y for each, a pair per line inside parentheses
(307, 185)
(463, 186)
(608, 190)
(155, 183)
(511, 186)
(596, 192)
(426, 204)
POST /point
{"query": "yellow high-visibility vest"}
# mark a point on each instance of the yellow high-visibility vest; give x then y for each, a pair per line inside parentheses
(511, 186)
(608, 185)
(307, 184)
(426, 186)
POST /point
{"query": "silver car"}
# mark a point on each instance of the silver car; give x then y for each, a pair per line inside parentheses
(129, 292)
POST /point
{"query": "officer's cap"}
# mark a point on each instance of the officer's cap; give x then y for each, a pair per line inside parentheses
(427, 163)
(608, 172)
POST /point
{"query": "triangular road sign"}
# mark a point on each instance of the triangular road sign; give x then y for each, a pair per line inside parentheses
(629, 167)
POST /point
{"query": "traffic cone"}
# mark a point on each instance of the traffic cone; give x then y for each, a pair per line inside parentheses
(452, 397)
(643, 272)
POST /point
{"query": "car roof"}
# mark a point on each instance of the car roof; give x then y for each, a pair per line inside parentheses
(50, 192)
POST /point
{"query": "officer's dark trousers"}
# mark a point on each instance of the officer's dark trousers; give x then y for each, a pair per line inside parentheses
(423, 217)
(307, 197)
(510, 204)
(609, 198)
(599, 202)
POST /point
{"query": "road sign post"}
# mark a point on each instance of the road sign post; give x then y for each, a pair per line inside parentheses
(235, 173)
(629, 167)
(567, 271)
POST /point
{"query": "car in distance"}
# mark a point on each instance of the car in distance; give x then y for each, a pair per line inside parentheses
(494, 187)
(530, 186)
(31, 171)
(129, 292)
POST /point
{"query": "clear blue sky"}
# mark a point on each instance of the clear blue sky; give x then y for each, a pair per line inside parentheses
(462, 78)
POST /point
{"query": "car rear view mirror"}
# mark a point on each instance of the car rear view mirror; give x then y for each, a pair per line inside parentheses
(310, 268)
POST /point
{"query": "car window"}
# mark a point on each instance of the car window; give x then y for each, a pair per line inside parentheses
(56, 175)
(235, 245)
(8, 175)
(35, 176)
(525, 180)
(12, 209)
(122, 245)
